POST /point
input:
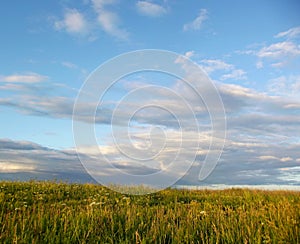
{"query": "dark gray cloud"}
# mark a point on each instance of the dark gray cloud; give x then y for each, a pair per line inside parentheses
(245, 108)
(23, 160)
(7, 144)
(251, 164)
(262, 144)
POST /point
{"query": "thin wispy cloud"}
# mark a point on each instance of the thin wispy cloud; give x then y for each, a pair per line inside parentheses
(288, 86)
(197, 23)
(211, 65)
(73, 22)
(101, 4)
(77, 23)
(28, 77)
(268, 157)
(278, 54)
(236, 74)
(109, 21)
(69, 65)
(279, 50)
(150, 9)
(291, 33)
(230, 71)
(189, 54)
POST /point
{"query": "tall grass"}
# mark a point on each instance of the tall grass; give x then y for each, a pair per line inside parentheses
(48, 212)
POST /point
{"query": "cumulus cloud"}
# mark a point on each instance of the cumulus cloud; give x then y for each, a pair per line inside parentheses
(197, 23)
(73, 22)
(150, 9)
(110, 24)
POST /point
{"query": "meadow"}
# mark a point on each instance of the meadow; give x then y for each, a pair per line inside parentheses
(52, 212)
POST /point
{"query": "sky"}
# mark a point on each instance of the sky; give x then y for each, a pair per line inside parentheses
(250, 50)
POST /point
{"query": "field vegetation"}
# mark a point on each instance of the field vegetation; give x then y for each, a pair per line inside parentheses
(51, 212)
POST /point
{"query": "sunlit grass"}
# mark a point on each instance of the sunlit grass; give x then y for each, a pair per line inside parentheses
(48, 212)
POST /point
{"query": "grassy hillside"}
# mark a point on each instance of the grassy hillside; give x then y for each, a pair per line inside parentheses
(45, 212)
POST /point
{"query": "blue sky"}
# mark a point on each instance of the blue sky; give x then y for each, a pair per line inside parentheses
(250, 49)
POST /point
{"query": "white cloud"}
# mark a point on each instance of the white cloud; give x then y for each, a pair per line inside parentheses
(268, 157)
(211, 65)
(279, 50)
(69, 65)
(23, 78)
(236, 74)
(100, 4)
(279, 64)
(259, 64)
(150, 9)
(291, 33)
(73, 22)
(283, 53)
(278, 54)
(9, 167)
(288, 86)
(286, 159)
(108, 20)
(189, 54)
(281, 159)
(239, 91)
(196, 24)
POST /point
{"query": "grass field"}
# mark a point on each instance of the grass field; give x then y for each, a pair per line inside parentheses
(47, 212)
